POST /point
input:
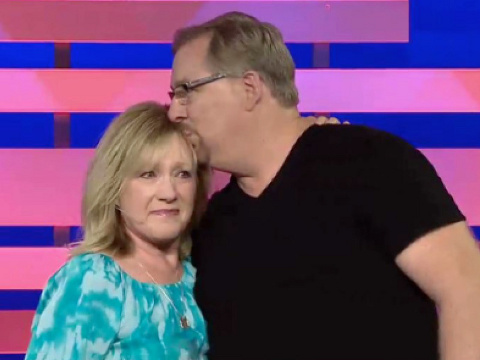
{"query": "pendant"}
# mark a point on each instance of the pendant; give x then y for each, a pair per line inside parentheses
(184, 322)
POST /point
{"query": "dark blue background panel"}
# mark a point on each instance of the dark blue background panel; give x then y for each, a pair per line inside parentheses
(12, 356)
(436, 130)
(426, 49)
(19, 299)
(26, 130)
(26, 236)
(445, 15)
(27, 55)
(86, 129)
(476, 232)
(76, 234)
(424, 130)
(151, 56)
(302, 55)
(121, 56)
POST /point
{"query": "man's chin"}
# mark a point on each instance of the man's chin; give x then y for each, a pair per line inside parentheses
(202, 155)
(200, 150)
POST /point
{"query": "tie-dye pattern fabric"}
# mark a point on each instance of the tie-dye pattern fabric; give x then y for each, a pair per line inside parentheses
(92, 310)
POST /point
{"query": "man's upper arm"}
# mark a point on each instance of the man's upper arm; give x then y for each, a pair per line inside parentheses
(418, 223)
(444, 263)
(405, 200)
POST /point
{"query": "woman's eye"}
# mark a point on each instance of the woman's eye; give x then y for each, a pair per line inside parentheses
(185, 174)
(147, 174)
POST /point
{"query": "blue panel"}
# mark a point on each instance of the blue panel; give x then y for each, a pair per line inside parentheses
(87, 129)
(425, 50)
(302, 55)
(351, 56)
(12, 356)
(445, 15)
(424, 130)
(306, 114)
(75, 233)
(151, 56)
(476, 232)
(121, 56)
(19, 299)
(27, 55)
(26, 130)
(26, 236)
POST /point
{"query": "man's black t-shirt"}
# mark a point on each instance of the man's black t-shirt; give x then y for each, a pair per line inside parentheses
(306, 271)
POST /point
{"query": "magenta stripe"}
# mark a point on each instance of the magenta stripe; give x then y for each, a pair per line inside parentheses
(323, 90)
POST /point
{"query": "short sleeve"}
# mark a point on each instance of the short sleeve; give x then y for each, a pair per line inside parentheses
(79, 313)
(404, 197)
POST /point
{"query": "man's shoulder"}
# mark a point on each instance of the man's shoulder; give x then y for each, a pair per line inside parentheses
(361, 142)
(351, 135)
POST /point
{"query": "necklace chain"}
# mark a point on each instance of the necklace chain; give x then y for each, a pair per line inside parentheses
(184, 323)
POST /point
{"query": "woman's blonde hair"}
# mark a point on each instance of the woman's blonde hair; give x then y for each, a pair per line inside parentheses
(142, 128)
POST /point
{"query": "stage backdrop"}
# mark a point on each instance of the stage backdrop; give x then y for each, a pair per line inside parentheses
(67, 67)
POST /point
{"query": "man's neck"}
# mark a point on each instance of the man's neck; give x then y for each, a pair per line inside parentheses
(269, 150)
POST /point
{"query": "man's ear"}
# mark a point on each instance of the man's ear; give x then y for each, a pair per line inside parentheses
(254, 88)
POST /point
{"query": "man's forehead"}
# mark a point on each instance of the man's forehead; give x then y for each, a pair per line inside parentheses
(178, 76)
(189, 60)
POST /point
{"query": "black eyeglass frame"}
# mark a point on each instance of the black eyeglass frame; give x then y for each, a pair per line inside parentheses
(191, 85)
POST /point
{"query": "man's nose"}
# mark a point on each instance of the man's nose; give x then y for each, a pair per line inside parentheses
(177, 112)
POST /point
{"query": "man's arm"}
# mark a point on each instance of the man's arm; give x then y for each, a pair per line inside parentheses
(445, 264)
(323, 120)
(416, 221)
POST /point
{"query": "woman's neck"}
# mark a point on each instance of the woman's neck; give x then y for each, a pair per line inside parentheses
(147, 261)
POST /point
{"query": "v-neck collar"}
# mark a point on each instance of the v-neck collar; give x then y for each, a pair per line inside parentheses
(282, 173)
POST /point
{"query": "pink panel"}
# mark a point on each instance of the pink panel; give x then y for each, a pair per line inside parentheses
(49, 184)
(42, 187)
(219, 1)
(460, 171)
(15, 331)
(389, 90)
(321, 90)
(80, 90)
(220, 179)
(29, 268)
(156, 21)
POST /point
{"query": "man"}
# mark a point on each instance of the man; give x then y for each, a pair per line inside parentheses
(329, 242)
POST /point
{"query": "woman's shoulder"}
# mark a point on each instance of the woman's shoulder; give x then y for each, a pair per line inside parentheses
(96, 263)
(88, 273)
(82, 303)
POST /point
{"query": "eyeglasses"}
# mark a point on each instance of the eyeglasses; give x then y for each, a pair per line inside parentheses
(181, 91)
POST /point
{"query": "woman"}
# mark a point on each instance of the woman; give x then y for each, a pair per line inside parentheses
(126, 292)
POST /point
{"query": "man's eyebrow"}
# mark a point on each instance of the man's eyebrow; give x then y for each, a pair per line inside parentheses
(177, 83)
